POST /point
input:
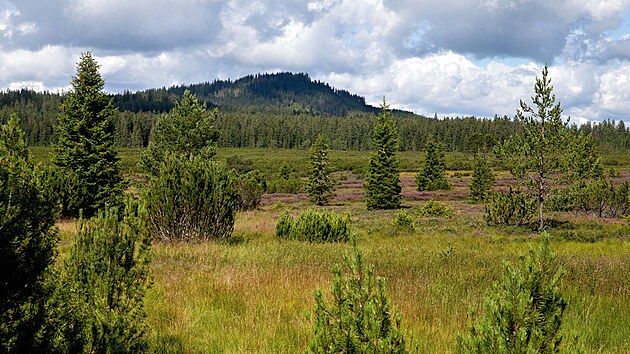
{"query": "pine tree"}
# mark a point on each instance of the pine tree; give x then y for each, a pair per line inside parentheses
(85, 138)
(320, 184)
(482, 179)
(98, 306)
(523, 312)
(358, 319)
(431, 177)
(382, 186)
(547, 153)
(27, 241)
(188, 130)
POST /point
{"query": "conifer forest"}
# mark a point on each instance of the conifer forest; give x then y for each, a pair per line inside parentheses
(275, 213)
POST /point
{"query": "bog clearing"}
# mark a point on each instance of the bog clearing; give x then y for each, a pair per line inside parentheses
(255, 292)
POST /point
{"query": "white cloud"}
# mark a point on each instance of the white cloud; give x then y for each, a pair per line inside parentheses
(459, 57)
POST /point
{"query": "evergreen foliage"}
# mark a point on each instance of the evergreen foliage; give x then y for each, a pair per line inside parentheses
(523, 312)
(404, 222)
(191, 200)
(511, 208)
(382, 186)
(599, 196)
(85, 139)
(435, 209)
(98, 306)
(320, 184)
(358, 318)
(188, 130)
(250, 187)
(482, 179)
(27, 241)
(314, 226)
(431, 177)
(547, 153)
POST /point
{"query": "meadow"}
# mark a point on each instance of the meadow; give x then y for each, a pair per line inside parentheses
(254, 293)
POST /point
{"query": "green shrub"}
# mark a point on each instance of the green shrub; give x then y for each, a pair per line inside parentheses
(482, 179)
(523, 312)
(191, 200)
(432, 175)
(27, 242)
(404, 222)
(314, 226)
(290, 185)
(358, 318)
(250, 187)
(64, 189)
(599, 196)
(435, 209)
(511, 208)
(98, 306)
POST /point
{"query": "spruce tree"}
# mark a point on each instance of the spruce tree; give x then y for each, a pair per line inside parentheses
(320, 184)
(482, 179)
(547, 154)
(188, 130)
(382, 186)
(85, 138)
(27, 241)
(431, 176)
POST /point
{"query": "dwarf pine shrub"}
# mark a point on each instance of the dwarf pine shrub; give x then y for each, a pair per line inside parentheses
(98, 306)
(314, 226)
(358, 318)
(511, 208)
(523, 312)
(27, 243)
(435, 209)
(250, 188)
(191, 200)
(404, 222)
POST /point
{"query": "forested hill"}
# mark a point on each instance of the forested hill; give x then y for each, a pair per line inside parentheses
(280, 92)
(284, 110)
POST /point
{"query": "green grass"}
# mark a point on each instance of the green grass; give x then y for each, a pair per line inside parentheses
(256, 294)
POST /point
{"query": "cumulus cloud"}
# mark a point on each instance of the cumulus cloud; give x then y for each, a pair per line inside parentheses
(459, 57)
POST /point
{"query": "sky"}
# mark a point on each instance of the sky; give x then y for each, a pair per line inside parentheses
(453, 57)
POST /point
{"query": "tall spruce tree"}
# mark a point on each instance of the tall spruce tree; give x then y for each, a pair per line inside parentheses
(320, 184)
(27, 241)
(547, 153)
(382, 186)
(431, 177)
(187, 131)
(85, 138)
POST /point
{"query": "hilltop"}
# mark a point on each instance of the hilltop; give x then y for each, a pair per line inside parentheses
(277, 92)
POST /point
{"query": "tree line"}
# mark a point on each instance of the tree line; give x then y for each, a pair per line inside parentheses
(289, 111)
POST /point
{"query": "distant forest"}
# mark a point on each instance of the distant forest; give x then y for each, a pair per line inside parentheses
(286, 110)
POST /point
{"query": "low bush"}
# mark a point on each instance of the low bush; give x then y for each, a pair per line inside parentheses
(98, 303)
(191, 200)
(404, 222)
(358, 318)
(314, 226)
(250, 187)
(435, 209)
(511, 208)
(523, 312)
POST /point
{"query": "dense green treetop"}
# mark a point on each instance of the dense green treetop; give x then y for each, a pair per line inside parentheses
(187, 131)
(85, 137)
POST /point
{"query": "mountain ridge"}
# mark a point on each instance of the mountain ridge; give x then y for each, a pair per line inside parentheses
(284, 91)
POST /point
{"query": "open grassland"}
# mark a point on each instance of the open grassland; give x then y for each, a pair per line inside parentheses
(254, 293)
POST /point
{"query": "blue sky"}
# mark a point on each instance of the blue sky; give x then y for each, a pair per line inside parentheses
(457, 57)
